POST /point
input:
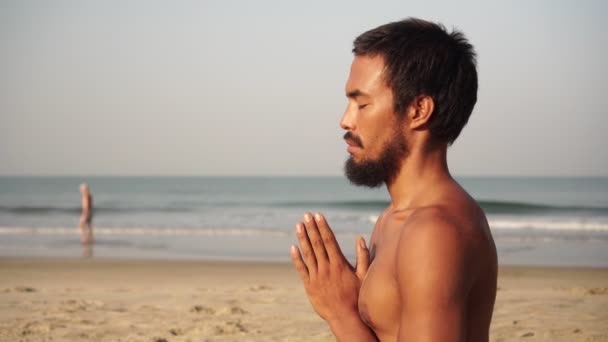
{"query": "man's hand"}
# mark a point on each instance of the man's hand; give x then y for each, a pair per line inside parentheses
(331, 283)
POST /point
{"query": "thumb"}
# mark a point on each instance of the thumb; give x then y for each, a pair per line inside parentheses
(362, 258)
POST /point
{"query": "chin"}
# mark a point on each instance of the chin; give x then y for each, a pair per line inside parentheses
(365, 173)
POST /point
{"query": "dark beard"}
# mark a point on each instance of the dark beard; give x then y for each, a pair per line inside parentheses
(373, 173)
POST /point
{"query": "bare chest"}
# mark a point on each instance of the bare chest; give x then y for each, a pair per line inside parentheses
(379, 301)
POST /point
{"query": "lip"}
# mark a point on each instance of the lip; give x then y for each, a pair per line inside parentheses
(352, 146)
(351, 149)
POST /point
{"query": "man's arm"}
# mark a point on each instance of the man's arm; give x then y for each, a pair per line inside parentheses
(331, 283)
(434, 279)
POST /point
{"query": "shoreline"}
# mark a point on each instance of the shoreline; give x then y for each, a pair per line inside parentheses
(237, 262)
(271, 248)
(66, 299)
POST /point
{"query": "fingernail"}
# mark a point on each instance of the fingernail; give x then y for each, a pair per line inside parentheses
(318, 216)
(307, 217)
(299, 228)
(293, 249)
(362, 243)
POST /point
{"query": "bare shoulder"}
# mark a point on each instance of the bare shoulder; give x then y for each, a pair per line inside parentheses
(441, 244)
(455, 218)
(432, 230)
(437, 224)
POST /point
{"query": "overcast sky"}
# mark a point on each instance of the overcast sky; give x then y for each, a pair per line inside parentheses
(257, 87)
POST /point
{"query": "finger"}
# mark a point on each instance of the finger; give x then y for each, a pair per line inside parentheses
(329, 239)
(315, 240)
(296, 257)
(362, 258)
(309, 255)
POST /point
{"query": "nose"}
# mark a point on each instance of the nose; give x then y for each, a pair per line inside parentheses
(348, 118)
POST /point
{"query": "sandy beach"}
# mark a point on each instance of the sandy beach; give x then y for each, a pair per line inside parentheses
(111, 300)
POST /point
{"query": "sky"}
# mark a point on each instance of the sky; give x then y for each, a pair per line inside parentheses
(257, 87)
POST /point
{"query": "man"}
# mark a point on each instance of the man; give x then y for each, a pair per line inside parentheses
(86, 217)
(430, 273)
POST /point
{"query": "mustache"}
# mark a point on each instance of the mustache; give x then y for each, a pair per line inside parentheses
(350, 136)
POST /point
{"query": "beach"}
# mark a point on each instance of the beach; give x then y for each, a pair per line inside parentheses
(56, 299)
(207, 258)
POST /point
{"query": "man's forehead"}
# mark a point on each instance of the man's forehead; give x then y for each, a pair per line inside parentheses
(366, 74)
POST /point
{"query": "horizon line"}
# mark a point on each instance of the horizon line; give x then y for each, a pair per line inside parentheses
(274, 175)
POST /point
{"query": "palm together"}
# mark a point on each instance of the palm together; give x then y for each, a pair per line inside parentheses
(331, 283)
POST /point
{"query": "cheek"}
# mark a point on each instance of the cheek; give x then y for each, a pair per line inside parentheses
(376, 126)
(373, 143)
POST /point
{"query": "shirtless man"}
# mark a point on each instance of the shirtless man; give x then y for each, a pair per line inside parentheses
(86, 218)
(430, 272)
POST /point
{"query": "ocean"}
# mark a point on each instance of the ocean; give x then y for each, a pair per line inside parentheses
(534, 221)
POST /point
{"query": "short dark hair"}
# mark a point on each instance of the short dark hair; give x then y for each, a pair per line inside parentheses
(421, 57)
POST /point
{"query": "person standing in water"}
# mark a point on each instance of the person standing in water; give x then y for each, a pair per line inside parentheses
(86, 217)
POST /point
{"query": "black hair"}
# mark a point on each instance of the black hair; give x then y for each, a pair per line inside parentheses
(422, 58)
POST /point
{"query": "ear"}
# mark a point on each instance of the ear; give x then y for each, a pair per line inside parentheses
(420, 111)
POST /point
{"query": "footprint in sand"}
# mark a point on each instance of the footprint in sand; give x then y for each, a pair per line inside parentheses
(229, 328)
(148, 308)
(176, 331)
(202, 309)
(35, 328)
(233, 310)
(598, 291)
(260, 288)
(588, 291)
(73, 305)
(24, 289)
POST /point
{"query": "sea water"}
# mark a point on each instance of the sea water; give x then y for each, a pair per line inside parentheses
(534, 221)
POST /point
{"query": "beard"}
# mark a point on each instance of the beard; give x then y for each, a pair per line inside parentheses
(374, 173)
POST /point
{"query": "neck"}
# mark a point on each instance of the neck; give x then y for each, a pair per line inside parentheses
(422, 170)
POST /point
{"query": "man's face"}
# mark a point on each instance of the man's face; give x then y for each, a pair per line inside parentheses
(375, 140)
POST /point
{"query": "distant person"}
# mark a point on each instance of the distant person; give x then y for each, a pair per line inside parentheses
(430, 271)
(86, 218)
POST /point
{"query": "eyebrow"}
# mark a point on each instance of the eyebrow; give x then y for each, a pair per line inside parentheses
(353, 94)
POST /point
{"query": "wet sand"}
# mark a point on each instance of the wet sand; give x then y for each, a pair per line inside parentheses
(109, 300)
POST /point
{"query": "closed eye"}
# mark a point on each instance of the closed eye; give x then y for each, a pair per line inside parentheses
(363, 106)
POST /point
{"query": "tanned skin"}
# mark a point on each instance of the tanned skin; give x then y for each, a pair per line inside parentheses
(430, 271)
(86, 217)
